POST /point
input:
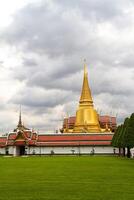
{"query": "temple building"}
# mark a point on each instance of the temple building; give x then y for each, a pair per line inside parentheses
(20, 126)
(87, 120)
(106, 123)
(86, 133)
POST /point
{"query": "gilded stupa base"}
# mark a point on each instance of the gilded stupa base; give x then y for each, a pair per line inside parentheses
(87, 129)
(86, 120)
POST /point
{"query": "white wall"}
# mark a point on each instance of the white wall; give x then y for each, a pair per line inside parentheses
(6, 149)
(2, 150)
(132, 152)
(71, 150)
(13, 150)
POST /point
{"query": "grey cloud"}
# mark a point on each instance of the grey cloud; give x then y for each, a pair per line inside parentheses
(2, 105)
(55, 37)
(35, 97)
(62, 32)
(59, 30)
(29, 62)
(104, 10)
(71, 83)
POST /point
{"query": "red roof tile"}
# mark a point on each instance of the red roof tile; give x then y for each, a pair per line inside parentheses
(58, 140)
(10, 142)
(71, 120)
(3, 141)
(31, 142)
(12, 136)
(19, 143)
(107, 119)
(27, 134)
(76, 143)
(93, 137)
(34, 136)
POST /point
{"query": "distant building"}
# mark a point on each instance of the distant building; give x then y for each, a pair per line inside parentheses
(86, 115)
(85, 133)
(109, 121)
(87, 120)
(105, 121)
(30, 143)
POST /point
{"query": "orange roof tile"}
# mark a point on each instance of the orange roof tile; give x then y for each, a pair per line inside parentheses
(3, 141)
(58, 139)
(76, 143)
(12, 136)
(93, 137)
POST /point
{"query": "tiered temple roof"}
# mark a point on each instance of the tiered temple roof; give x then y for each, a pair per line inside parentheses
(104, 121)
(33, 139)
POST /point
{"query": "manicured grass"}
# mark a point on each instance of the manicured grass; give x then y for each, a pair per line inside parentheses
(66, 178)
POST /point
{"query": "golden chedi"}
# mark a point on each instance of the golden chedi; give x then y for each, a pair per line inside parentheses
(86, 116)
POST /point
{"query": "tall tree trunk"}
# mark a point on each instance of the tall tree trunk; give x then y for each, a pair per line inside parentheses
(128, 152)
(124, 152)
(119, 151)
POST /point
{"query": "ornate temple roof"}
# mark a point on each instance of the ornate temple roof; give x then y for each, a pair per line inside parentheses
(21, 138)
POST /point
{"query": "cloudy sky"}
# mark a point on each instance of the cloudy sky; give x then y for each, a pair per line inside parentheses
(42, 48)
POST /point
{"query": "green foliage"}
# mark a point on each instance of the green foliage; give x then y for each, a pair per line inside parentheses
(116, 137)
(129, 133)
(117, 141)
(113, 143)
(124, 132)
(124, 135)
(66, 178)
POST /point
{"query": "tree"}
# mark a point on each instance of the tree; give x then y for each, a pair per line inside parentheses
(116, 137)
(122, 135)
(129, 135)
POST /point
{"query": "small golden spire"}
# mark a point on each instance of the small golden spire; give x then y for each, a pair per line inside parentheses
(20, 120)
(86, 96)
(86, 116)
(85, 68)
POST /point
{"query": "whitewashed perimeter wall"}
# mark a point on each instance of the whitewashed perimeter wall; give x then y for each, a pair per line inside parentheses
(9, 149)
(12, 150)
(2, 150)
(71, 150)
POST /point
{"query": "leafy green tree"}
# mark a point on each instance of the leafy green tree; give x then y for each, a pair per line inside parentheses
(129, 135)
(115, 140)
(118, 138)
(122, 135)
(114, 137)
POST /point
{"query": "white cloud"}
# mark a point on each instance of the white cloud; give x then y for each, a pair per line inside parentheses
(42, 52)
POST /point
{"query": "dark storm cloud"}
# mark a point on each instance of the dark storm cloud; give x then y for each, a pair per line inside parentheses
(55, 36)
(104, 9)
(61, 29)
(35, 97)
(43, 29)
(29, 62)
(71, 83)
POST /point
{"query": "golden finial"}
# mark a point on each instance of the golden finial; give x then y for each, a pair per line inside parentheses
(86, 96)
(20, 121)
(84, 60)
(85, 67)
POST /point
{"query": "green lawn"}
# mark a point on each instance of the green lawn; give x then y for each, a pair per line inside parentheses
(66, 178)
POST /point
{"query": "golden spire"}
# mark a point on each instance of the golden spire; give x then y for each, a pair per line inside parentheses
(20, 121)
(20, 125)
(86, 96)
(86, 116)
